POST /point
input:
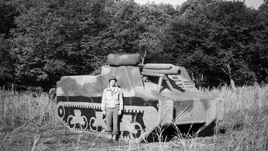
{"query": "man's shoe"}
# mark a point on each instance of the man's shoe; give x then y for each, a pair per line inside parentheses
(110, 136)
(114, 138)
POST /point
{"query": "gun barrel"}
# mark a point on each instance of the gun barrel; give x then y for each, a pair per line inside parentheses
(157, 66)
(161, 69)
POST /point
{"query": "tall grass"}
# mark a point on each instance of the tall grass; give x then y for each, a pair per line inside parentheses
(18, 108)
(244, 127)
(246, 118)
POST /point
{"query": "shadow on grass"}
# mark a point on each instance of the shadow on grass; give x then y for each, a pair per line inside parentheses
(186, 131)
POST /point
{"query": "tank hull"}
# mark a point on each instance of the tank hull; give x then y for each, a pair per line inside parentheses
(154, 96)
(139, 117)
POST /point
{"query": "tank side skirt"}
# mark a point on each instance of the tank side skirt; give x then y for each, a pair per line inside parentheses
(128, 101)
(87, 116)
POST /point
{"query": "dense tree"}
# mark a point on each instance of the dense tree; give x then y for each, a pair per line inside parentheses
(152, 21)
(260, 35)
(6, 62)
(7, 15)
(48, 40)
(139, 28)
(218, 39)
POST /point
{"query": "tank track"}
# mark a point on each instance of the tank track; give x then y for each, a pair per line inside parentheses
(87, 117)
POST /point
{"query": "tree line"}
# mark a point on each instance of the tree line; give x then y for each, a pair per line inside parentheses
(219, 42)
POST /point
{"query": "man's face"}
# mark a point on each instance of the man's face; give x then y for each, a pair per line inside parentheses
(112, 83)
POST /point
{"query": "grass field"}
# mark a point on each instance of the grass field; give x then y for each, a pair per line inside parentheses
(29, 123)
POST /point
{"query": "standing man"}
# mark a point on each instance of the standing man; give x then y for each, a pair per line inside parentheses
(112, 106)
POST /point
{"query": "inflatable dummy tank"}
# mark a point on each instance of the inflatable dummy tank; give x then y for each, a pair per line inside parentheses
(153, 94)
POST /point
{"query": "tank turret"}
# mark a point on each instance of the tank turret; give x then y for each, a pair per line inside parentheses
(154, 95)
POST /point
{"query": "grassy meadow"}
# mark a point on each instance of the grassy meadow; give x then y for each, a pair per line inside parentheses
(30, 123)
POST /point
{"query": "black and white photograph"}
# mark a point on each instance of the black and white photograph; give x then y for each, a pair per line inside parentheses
(134, 75)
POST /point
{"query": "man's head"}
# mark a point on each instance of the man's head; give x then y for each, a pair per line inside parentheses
(112, 80)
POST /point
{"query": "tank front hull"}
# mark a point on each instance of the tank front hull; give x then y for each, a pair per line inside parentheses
(199, 115)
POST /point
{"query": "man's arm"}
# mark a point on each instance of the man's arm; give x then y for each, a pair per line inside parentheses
(121, 100)
(103, 100)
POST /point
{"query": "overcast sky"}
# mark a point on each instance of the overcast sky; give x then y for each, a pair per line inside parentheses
(249, 3)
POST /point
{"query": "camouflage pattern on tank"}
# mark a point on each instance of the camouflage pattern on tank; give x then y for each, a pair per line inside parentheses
(153, 94)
